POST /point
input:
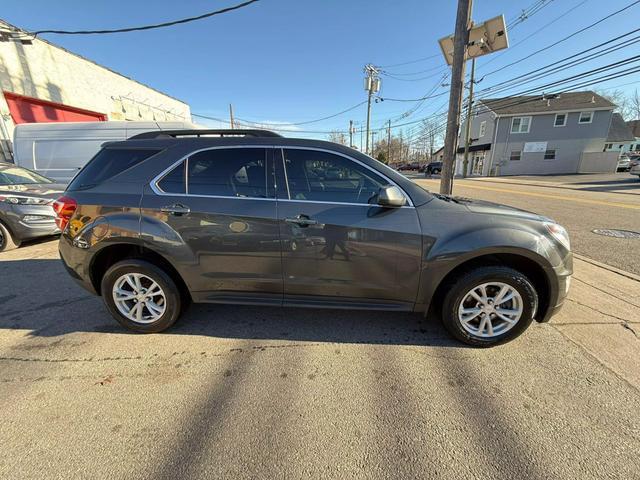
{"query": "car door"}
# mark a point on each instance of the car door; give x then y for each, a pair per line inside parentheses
(338, 246)
(217, 210)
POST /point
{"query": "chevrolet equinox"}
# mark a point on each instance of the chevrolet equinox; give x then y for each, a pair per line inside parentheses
(249, 217)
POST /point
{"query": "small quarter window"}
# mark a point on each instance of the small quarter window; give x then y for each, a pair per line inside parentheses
(173, 182)
(515, 155)
(550, 154)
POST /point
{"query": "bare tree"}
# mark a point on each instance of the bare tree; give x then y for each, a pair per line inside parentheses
(623, 103)
(337, 136)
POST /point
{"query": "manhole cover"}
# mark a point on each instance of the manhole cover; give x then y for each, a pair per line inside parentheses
(616, 233)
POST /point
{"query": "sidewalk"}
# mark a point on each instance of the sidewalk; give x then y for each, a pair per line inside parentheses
(602, 315)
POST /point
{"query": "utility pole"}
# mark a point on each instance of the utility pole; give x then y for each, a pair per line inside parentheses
(461, 39)
(231, 116)
(467, 133)
(371, 85)
(389, 144)
(351, 133)
(373, 143)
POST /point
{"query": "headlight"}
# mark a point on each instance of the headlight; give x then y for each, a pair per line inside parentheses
(559, 233)
(23, 200)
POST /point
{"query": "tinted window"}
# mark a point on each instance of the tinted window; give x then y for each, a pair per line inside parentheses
(325, 177)
(108, 163)
(173, 182)
(20, 176)
(232, 172)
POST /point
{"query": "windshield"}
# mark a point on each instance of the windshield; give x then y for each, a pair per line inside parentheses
(20, 176)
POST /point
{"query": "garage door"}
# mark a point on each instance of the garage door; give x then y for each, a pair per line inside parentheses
(33, 110)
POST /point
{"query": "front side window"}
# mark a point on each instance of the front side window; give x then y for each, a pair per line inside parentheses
(229, 172)
(585, 117)
(325, 177)
(515, 155)
(520, 124)
(561, 120)
(483, 129)
(550, 154)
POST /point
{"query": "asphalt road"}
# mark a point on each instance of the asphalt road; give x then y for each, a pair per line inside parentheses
(245, 392)
(582, 203)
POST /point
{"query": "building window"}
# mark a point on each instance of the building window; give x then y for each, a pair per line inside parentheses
(515, 155)
(561, 120)
(621, 146)
(585, 117)
(520, 124)
(608, 146)
(483, 129)
(550, 154)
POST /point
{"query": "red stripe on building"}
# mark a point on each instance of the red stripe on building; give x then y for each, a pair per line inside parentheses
(33, 110)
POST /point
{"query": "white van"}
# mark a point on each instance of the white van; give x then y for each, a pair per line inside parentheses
(59, 150)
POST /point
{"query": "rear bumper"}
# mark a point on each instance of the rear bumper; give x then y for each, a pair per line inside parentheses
(75, 261)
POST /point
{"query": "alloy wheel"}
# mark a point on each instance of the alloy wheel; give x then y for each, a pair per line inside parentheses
(139, 298)
(490, 309)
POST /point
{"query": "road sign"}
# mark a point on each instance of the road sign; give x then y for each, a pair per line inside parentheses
(487, 37)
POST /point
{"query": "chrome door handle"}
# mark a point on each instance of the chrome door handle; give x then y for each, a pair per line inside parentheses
(176, 209)
(301, 220)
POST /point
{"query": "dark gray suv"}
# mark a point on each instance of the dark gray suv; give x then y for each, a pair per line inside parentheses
(250, 217)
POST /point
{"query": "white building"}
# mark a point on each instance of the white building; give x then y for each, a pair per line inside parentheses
(42, 82)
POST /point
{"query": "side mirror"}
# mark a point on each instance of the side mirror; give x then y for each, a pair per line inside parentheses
(391, 196)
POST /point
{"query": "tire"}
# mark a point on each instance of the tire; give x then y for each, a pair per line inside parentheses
(6, 239)
(459, 291)
(169, 301)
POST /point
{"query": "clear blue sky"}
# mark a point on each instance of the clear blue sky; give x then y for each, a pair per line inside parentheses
(296, 60)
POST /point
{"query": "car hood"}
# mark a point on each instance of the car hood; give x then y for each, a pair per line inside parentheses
(41, 190)
(490, 208)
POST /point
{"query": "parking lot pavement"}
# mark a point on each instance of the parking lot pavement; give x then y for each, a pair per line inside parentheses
(246, 392)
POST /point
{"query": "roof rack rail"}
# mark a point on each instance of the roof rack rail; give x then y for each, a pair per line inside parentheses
(200, 132)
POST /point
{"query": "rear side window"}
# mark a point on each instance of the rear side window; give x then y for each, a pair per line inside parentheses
(230, 172)
(173, 182)
(108, 163)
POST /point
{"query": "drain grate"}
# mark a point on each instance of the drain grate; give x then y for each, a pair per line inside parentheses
(616, 233)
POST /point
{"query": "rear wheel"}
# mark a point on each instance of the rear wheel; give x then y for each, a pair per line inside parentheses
(489, 306)
(141, 296)
(6, 240)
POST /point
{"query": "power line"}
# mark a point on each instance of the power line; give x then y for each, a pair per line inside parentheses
(145, 27)
(311, 121)
(564, 38)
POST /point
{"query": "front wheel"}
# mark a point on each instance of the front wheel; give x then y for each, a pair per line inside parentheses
(141, 296)
(6, 240)
(489, 305)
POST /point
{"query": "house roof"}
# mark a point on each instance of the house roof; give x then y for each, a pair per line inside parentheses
(619, 131)
(634, 125)
(551, 103)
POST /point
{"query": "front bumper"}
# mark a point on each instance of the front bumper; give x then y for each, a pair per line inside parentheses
(31, 221)
(560, 290)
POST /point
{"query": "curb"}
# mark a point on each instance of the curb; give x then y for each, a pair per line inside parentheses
(628, 275)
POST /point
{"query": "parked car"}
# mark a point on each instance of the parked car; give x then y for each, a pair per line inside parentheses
(160, 220)
(26, 210)
(59, 149)
(623, 164)
(434, 168)
(404, 167)
(634, 167)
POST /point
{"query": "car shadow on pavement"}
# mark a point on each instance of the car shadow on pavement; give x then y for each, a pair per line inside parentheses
(38, 295)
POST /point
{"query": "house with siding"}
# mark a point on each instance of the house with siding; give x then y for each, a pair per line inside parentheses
(620, 138)
(540, 135)
(634, 126)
